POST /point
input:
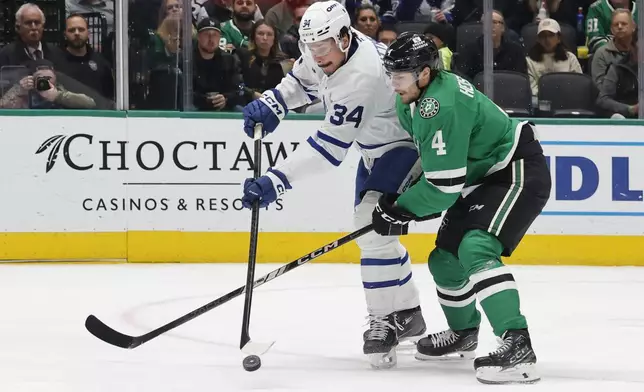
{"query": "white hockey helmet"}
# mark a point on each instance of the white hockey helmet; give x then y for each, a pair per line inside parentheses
(322, 20)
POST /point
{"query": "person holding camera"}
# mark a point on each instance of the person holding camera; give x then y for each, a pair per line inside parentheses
(40, 90)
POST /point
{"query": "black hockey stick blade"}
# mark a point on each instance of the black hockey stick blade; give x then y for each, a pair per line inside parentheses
(103, 332)
(97, 328)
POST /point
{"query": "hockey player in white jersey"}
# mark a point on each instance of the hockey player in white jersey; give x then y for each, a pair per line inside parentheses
(344, 68)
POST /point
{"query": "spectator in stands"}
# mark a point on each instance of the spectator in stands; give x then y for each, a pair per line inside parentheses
(289, 41)
(367, 21)
(517, 14)
(82, 63)
(30, 22)
(549, 54)
(439, 11)
(387, 34)
(618, 96)
(42, 91)
(263, 65)
(221, 10)
(508, 55)
(598, 21)
(617, 48)
(104, 7)
(441, 34)
(218, 83)
(281, 16)
(564, 12)
(235, 32)
(166, 45)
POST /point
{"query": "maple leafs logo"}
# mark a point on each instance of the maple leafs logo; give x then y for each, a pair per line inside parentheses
(53, 143)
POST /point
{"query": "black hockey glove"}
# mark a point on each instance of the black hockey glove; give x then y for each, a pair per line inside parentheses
(389, 219)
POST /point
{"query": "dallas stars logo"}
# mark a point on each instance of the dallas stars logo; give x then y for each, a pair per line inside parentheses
(429, 108)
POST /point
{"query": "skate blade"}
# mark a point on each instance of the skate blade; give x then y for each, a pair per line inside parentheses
(383, 360)
(409, 343)
(457, 356)
(524, 373)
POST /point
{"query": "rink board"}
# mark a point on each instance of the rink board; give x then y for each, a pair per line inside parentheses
(165, 187)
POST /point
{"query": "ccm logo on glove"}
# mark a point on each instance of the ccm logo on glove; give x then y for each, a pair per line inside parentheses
(388, 218)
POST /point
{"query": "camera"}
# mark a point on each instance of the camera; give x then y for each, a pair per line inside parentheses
(42, 83)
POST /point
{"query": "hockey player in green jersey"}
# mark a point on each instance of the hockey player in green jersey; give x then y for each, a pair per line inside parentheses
(598, 20)
(489, 173)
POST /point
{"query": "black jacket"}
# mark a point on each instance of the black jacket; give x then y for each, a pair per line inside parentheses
(221, 74)
(16, 54)
(619, 90)
(92, 72)
(509, 57)
(260, 75)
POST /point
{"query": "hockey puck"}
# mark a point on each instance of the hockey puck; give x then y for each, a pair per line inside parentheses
(252, 363)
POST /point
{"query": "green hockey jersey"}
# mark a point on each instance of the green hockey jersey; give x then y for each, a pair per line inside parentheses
(598, 20)
(461, 135)
(230, 34)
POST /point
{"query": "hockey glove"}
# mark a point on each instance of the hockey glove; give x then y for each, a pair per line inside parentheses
(268, 110)
(266, 189)
(390, 220)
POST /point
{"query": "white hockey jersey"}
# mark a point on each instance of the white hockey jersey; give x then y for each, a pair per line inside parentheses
(360, 109)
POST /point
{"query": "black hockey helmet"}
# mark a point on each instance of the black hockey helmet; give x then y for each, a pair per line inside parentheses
(411, 52)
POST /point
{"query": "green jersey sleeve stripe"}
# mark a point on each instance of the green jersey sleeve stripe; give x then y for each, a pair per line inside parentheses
(449, 188)
(446, 173)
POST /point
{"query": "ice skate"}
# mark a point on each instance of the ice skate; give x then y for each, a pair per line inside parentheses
(381, 341)
(448, 345)
(411, 325)
(514, 362)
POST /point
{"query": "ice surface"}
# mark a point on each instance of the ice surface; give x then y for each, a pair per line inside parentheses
(586, 323)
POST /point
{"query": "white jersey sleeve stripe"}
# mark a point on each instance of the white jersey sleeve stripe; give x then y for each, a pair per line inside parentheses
(449, 188)
(446, 173)
(326, 154)
(332, 140)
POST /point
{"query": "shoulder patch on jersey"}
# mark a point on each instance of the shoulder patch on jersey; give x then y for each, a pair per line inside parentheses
(429, 107)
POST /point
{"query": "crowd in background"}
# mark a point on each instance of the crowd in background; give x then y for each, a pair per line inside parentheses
(548, 51)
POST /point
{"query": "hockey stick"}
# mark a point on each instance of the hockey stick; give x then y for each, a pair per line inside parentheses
(246, 345)
(97, 328)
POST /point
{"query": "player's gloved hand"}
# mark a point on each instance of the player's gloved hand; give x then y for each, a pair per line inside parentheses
(268, 110)
(266, 188)
(388, 219)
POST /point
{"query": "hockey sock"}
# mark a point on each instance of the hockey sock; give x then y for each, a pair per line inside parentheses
(491, 281)
(453, 289)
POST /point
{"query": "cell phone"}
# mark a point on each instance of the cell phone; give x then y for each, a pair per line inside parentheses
(42, 83)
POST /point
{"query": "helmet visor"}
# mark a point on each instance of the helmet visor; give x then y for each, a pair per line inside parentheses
(403, 80)
(322, 48)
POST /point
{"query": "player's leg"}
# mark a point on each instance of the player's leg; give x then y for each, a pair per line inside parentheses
(499, 213)
(452, 285)
(517, 206)
(385, 263)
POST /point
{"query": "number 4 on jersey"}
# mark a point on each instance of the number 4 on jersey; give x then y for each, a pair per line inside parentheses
(438, 143)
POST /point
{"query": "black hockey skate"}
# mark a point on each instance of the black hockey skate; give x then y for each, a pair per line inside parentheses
(381, 341)
(514, 362)
(448, 345)
(411, 325)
